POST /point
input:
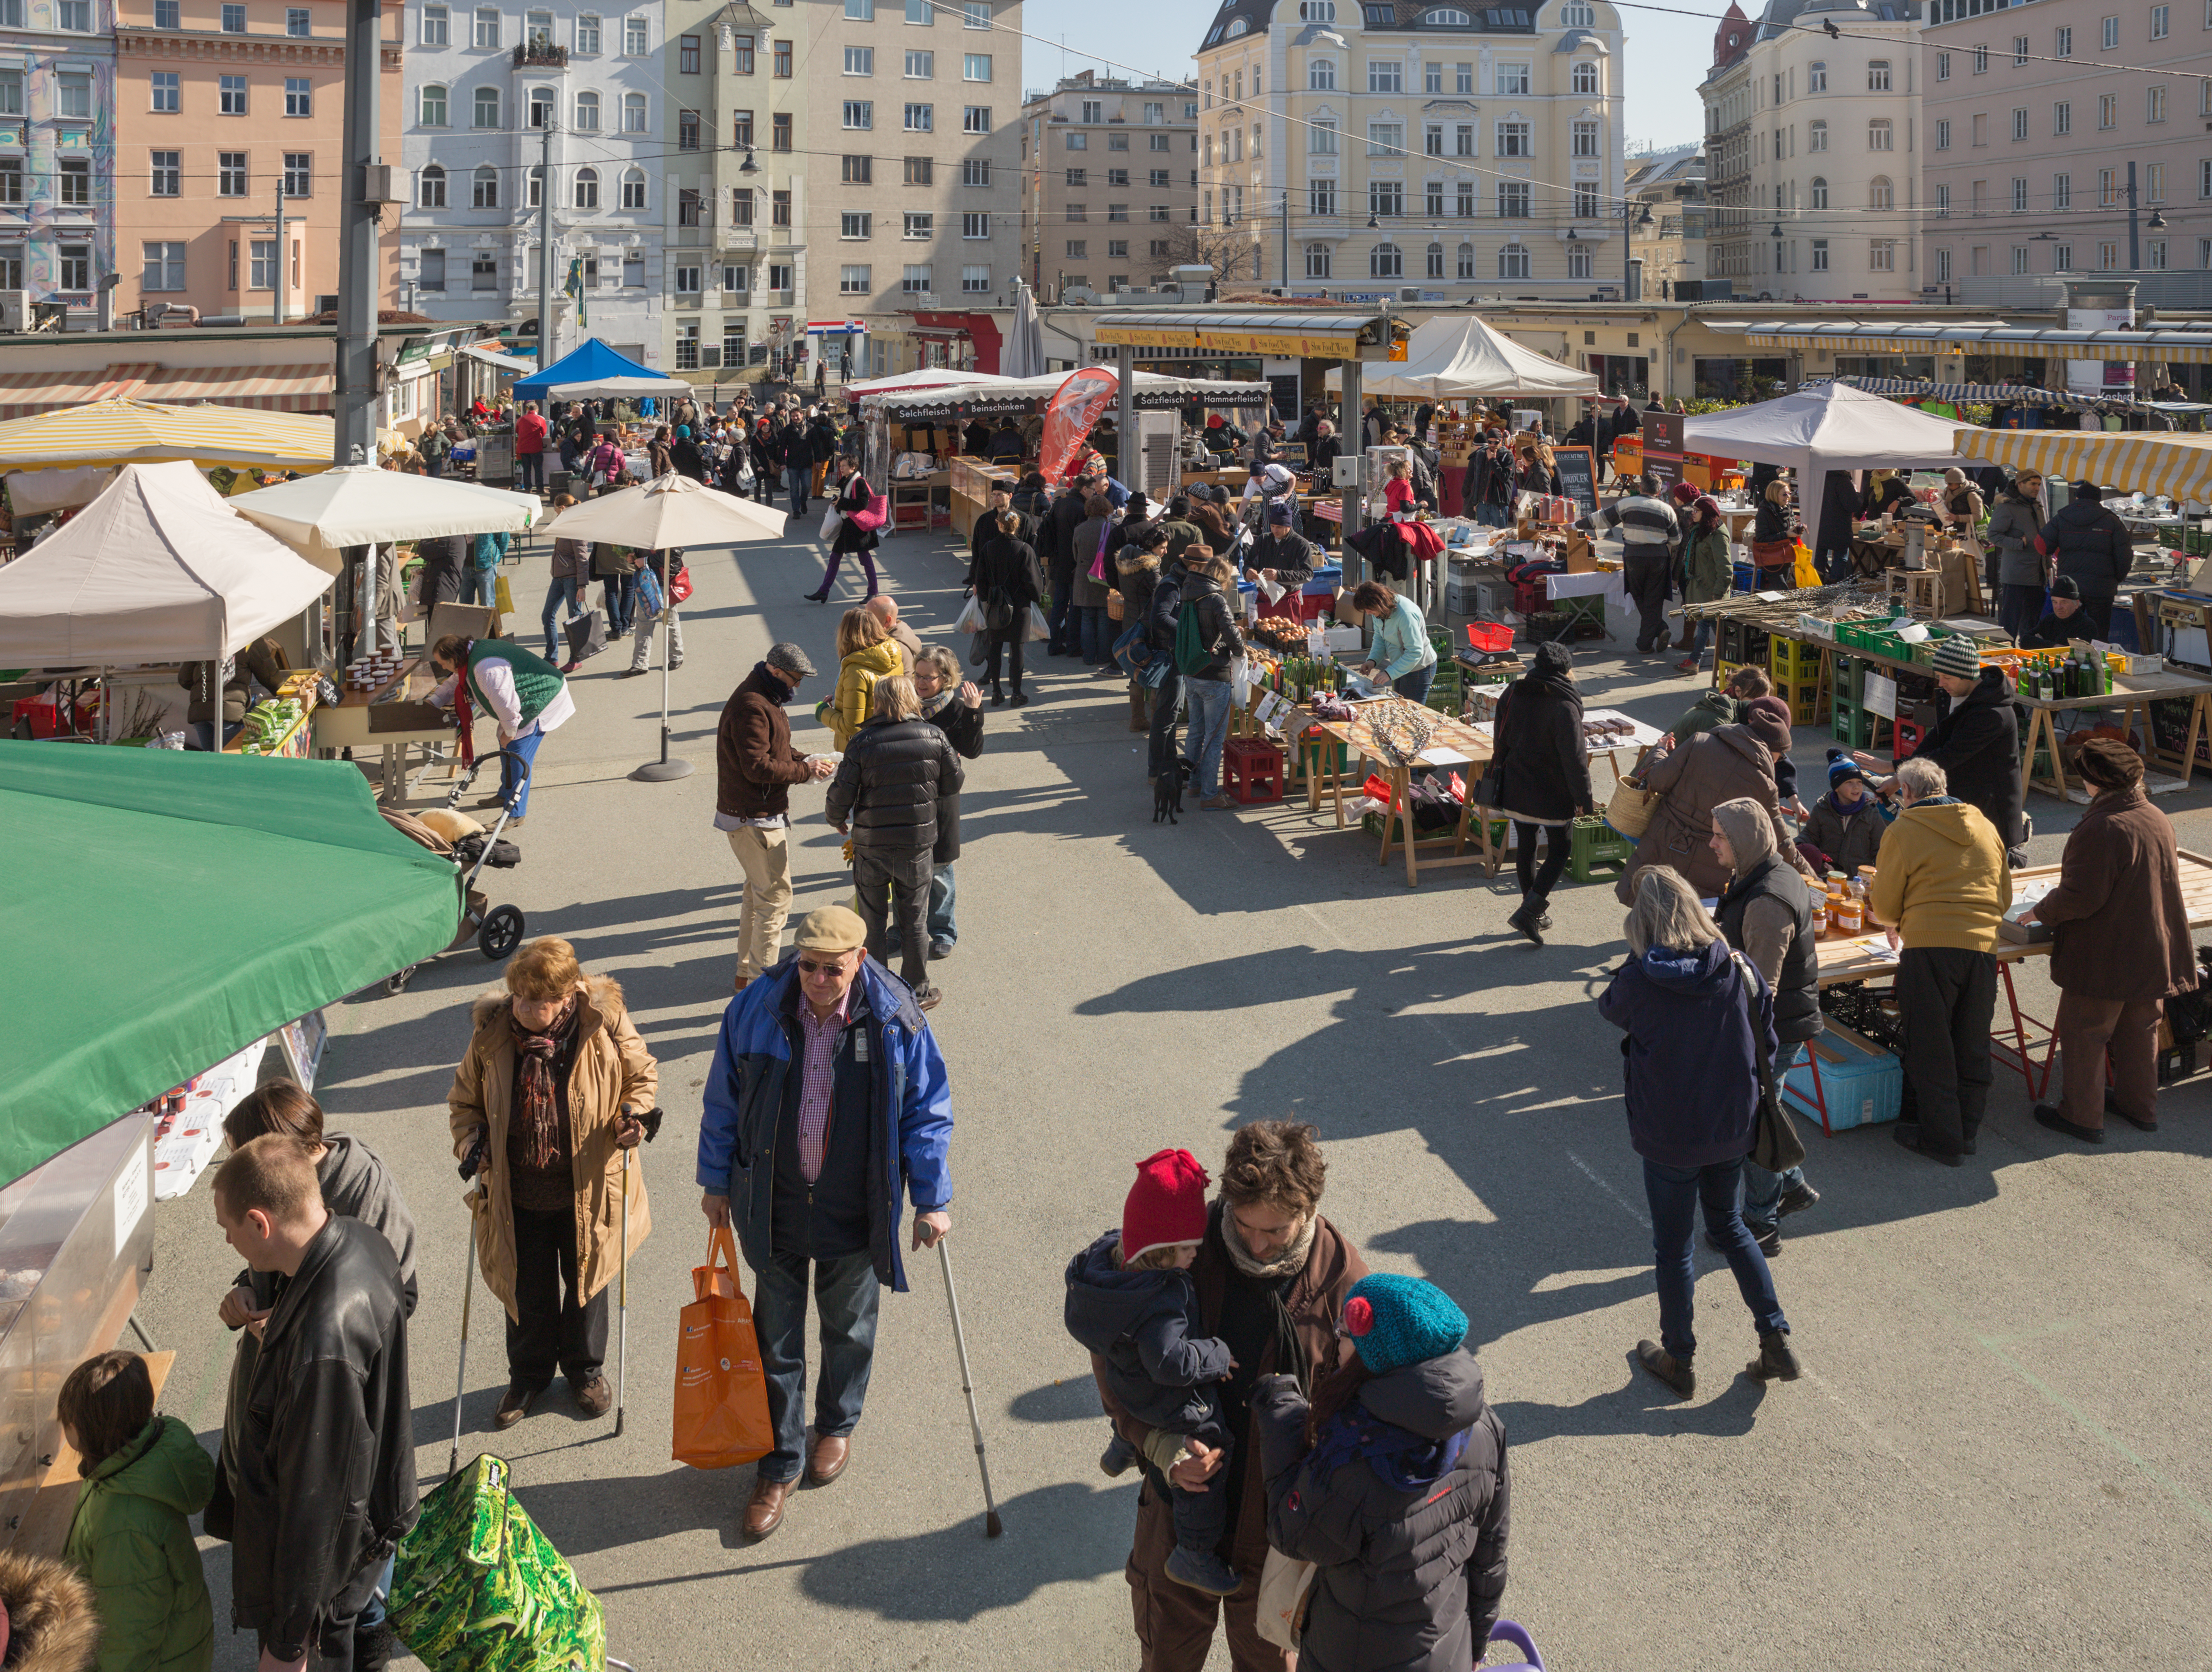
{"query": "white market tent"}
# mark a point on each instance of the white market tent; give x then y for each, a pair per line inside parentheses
(358, 505)
(927, 378)
(156, 569)
(1461, 357)
(1830, 427)
(1213, 390)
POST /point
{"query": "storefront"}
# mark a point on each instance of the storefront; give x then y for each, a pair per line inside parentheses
(957, 342)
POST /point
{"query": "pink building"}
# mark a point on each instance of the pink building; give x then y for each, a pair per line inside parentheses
(218, 105)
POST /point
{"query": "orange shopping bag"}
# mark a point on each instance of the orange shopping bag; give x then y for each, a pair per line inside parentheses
(722, 1397)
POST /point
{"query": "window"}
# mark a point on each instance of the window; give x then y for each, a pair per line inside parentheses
(1320, 197)
(920, 119)
(1942, 66)
(1585, 139)
(743, 47)
(1981, 63)
(1513, 261)
(431, 275)
(1463, 79)
(687, 284)
(633, 270)
(1879, 134)
(779, 131)
(1432, 78)
(1435, 265)
(73, 96)
(588, 113)
(2019, 195)
(1878, 75)
(1463, 139)
(1464, 206)
(780, 60)
(487, 28)
(2108, 110)
(976, 67)
(2061, 118)
(2061, 258)
(1942, 136)
(1386, 139)
(2154, 104)
(778, 214)
(1513, 140)
(921, 66)
(1321, 75)
(2154, 254)
(1078, 249)
(1386, 198)
(1320, 138)
(1942, 203)
(483, 187)
(1117, 177)
(855, 223)
(920, 11)
(976, 14)
(687, 55)
(737, 279)
(2155, 182)
(486, 106)
(1317, 261)
(633, 190)
(1076, 142)
(230, 91)
(687, 130)
(860, 11)
(1512, 78)
(234, 20)
(1433, 198)
(298, 96)
(917, 226)
(165, 17)
(1513, 200)
(852, 281)
(2158, 26)
(2062, 193)
(860, 60)
(920, 171)
(430, 187)
(1585, 200)
(534, 187)
(1117, 249)
(2018, 124)
(1317, 11)
(636, 36)
(588, 34)
(2108, 257)
(1820, 255)
(537, 28)
(1881, 194)
(2108, 187)
(1433, 139)
(976, 119)
(588, 188)
(1386, 261)
(741, 209)
(166, 175)
(483, 273)
(1578, 261)
(1881, 255)
(230, 174)
(915, 280)
(2111, 33)
(299, 174)
(1158, 177)
(857, 170)
(1120, 211)
(167, 96)
(1385, 75)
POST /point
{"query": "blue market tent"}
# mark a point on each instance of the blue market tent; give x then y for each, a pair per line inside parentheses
(592, 371)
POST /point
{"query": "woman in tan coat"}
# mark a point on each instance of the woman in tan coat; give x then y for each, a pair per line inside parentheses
(556, 1086)
(1714, 767)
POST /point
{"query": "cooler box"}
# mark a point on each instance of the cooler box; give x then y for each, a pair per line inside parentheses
(1326, 582)
(1860, 1085)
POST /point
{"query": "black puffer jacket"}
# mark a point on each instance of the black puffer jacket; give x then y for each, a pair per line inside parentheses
(1410, 1546)
(1012, 567)
(1162, 613)
(1143, 1325)
(963, 729)
(1216, 627)
(1541, 753)
(2091, 545)
(887, 787)
(1976, 742)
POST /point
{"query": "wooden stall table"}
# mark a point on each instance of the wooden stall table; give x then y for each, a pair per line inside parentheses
(2133, 693)
(1448, 740)
(971, 481)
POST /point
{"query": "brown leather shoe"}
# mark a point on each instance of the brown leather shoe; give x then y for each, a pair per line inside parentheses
(827, 1460)
(764, 1514)
(595, 1398)
(513, 1406)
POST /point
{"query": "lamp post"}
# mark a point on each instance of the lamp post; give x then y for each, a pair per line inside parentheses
(1629, 206)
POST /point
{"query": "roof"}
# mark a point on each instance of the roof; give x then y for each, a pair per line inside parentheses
(1236, 18)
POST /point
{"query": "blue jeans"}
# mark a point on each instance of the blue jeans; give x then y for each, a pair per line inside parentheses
(1061, 618)
(529, 471)
(621, 604)
(1415, 686)
(1208, 700)
(942, 893)
(1095, 632)
(846, 1295)
(1674, 1193)
(514, 785)
(1763, 1191)
(478, 586)
(564, 587)
(798, 479)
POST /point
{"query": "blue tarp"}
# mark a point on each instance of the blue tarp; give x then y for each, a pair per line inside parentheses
(594, 362)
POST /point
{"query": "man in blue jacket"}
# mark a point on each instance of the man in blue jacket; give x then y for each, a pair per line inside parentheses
(828, 1092)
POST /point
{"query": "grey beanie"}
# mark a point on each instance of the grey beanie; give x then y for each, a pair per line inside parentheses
(1749, 829)
(1957, 657)
(788, 658)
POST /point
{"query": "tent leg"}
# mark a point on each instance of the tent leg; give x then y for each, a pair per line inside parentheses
(664, 770)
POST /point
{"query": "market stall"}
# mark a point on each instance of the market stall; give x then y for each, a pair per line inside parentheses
(108, 433)
(592, 371)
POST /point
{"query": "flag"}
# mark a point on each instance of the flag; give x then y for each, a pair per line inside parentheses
(1076, 405)
(575, 287)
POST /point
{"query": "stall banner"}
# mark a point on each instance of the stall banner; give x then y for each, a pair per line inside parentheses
(1663, 448)
(1287, 345)
(1578, 476)
(1076, 405)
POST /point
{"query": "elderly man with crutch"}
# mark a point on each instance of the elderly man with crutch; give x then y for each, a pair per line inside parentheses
(827, 1088)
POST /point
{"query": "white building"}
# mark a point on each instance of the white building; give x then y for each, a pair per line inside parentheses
(484, 84)
(1812, 151)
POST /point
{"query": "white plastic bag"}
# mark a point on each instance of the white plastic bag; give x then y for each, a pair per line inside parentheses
(832, 521)
(971, 617)
(1039, 628)
(1240, 682)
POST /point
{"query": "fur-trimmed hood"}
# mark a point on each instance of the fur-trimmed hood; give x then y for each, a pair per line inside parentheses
(1133, 559)
(53, 1625)
(603, 1000)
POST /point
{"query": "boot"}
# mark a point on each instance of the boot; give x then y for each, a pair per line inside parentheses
(1139, 721)
(1776, 1360)
(1676, 1373)
(1528, 920)
(1202, 1571)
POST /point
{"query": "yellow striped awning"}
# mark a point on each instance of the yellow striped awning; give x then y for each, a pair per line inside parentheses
(2175, 464)
(138, 432)
(268, 388)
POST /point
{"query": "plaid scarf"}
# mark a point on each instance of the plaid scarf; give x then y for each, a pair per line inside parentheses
(539, 1061)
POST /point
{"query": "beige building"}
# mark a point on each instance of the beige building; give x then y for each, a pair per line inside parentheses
(1667, 234)
(1109, 183)
(1450, 150)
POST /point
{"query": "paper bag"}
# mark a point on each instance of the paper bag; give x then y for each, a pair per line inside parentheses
(721, 1394)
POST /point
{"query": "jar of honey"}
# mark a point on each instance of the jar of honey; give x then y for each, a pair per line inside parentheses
(1849, 916)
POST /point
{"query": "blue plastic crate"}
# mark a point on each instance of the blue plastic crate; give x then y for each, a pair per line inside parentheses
(1325, 582)
(1863, 1086)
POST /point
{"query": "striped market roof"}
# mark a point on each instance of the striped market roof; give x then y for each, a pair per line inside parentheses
(2175, 464)
(307, 388)
(1993, 394)
(136, 432)
(22, 393)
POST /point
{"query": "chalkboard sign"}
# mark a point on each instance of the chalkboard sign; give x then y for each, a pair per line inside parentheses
(1578, 477)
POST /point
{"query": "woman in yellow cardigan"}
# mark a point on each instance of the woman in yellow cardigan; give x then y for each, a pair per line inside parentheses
(869, 653)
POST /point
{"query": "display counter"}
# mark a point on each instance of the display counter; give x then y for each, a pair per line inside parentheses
(971, 481)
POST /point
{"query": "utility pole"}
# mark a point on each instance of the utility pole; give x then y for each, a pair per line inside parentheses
(353, 440)
(283, 272)
(2135, 245)
(1286, 240)
(545, 248)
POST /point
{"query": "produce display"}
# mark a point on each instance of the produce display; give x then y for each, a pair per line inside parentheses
(374, 673)
(268, 724)
(1394, 730)
(1300, 678)
(1284, 632)
(1608, 732)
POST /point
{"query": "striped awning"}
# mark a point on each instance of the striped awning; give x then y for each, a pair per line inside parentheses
(1994, 394)
(2138, 461)
(261, 388)
(2174, 348)
(136, 432)
(22, 393)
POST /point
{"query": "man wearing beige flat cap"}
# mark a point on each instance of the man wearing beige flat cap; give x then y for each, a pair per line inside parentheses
(824, 1059)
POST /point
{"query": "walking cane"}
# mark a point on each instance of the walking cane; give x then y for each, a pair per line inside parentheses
(992, 1525)
(622, 1305)
(470, 1170)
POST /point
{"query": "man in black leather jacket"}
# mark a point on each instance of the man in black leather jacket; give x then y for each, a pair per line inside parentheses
(318, 1475)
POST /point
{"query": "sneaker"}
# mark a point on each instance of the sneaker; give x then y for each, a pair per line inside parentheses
(939, 949)
(1117, 1459)
(1687, 665)
(928, 996)
(1202, 1571)
(633, 673)
(1769, 1239)
(1676, 1373)
(1797, 1198)
(569, 667)
(1222, 803)
(1776, 1360)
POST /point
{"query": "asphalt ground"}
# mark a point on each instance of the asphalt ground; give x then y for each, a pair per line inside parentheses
(1998, 1456)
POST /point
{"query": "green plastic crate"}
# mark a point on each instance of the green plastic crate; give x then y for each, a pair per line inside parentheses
(1596, 846)
(1850, 679)
(1852, 726)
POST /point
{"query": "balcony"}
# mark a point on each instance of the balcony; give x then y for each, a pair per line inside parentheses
(540, 55)
(737, 238)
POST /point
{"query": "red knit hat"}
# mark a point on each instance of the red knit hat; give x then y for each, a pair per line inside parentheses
(1166, 1205)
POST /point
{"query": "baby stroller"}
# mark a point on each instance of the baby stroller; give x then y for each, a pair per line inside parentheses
(496, 930)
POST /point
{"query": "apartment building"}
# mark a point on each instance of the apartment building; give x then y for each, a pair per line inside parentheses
(494, 94)
(56, 150)
(1667, 232)
(1467, 149)
(1812, 150)
(1109, 183)
(2046, 155)
(221, 107)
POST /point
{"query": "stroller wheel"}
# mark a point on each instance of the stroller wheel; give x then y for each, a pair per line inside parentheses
(502, 933)
(397, 980)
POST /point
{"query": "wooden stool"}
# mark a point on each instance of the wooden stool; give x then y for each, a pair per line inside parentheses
(1922, 590)
(1252, 769)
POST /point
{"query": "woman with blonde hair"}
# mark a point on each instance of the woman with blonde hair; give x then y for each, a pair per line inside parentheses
(1700, 1027)
(554, 1088)
(867, 653)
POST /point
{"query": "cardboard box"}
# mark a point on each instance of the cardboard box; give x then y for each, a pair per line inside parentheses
(1581, 559)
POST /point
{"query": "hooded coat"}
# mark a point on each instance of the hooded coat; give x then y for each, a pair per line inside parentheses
(131, 1538)
(611, 1067)
(1943, 880)
(1719, 766)
(1766, 914)
(2090, 543)
(855, 700)
(1714, 708)
(1142, 1327)
(1407, 1531)
(1850, 837)
(2122, 927)
(2013, 523)
(52, 1623)
(1542, 760)
(1692, 1051)
(1976, 742)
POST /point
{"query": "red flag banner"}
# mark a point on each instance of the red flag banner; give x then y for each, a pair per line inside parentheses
(1076, 405)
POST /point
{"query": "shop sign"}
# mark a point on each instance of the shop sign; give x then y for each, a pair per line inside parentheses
(1329, 345)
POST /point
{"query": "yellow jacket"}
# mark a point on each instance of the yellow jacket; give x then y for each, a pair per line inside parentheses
(1942, 878)
(856, 687)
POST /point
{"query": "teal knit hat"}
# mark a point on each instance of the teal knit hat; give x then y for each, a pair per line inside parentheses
(1396, 1321)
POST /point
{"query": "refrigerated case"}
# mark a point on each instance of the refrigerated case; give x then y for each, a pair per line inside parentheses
(75, 1237)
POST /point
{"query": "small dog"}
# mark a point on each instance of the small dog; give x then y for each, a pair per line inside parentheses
(1167, 793)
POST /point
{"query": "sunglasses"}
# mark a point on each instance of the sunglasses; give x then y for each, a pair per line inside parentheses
(834, 967)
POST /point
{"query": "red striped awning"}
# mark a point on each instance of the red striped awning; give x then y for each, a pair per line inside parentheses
(269, 388)
(23, 393)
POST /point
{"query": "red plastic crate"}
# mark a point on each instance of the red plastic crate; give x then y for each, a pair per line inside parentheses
(1905, 740)
(1489, 637)
(1530, 599)
(1252, 769)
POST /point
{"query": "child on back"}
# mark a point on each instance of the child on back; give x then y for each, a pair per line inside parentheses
(1131, 1301)
(143, 1476)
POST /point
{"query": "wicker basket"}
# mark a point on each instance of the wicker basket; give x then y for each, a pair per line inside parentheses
(1629, 811)
(1115, 605)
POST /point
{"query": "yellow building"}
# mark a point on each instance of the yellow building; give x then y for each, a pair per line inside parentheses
(1415, 151)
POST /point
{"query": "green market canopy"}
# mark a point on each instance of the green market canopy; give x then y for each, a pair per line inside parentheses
(165, 909)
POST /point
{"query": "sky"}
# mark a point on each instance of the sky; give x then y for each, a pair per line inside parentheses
(1665, 58)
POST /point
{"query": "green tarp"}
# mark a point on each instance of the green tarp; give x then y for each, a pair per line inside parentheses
(165, 909)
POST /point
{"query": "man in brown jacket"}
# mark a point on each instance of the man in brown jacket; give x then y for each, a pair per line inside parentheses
(2122, 945)
(754, 771)
(1272, 1276)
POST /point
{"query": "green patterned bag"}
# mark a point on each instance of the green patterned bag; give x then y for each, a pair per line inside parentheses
(477, 1588)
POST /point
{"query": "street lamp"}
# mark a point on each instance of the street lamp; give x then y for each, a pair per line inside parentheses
(1630, 219)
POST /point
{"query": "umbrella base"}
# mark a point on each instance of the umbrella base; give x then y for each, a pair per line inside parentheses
(662, 772)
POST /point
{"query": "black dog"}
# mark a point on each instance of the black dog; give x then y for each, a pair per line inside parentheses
(1167, 793)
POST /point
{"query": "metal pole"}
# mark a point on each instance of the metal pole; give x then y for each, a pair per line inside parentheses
(1126, 451)
(2135, 246)
(664, 770)
(284, 266)
(1354, 434)
(545, 247)
(353, 438)
(1286, 240)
